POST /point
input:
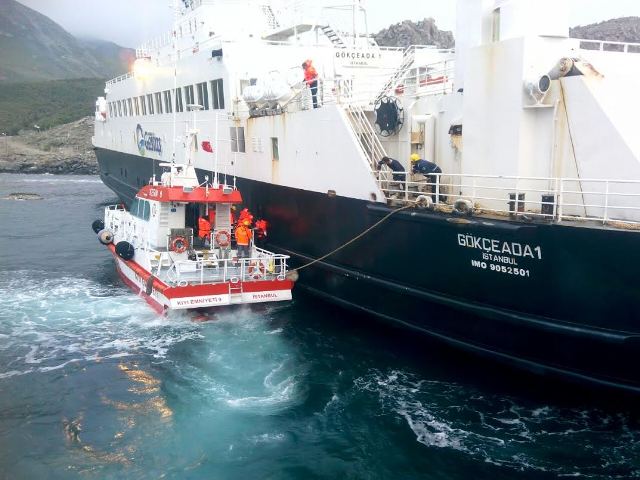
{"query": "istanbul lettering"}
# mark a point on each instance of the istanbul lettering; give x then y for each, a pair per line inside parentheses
(147, 141)
(500, 256)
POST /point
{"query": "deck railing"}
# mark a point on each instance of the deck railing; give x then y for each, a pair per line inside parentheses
(608, 201)
(609, 46)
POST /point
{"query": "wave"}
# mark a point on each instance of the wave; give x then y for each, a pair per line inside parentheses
(499, 430)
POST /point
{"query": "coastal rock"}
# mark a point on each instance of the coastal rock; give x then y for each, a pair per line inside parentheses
(424, 32)
(23, 196)
(65, 149)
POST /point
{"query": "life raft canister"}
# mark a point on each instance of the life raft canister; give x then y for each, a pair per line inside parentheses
(223, 238)
(179, 245)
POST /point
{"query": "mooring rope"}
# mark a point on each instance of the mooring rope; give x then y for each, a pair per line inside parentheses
(354, 239)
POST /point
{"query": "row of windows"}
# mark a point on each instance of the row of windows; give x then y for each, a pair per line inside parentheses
(140, 208)
(163, 102)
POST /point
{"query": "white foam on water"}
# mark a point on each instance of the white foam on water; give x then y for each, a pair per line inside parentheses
(48, 324)
(499, 430)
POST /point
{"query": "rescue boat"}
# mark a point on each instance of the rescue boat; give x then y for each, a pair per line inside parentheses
(158, 255)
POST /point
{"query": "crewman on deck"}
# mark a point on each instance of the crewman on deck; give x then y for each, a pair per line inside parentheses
(311, 79)
(429, 169)
(204, 230)
(243, 236)
(399, 173)
(245, 214)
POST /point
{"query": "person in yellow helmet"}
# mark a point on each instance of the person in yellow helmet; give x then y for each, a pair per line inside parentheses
(429, 169)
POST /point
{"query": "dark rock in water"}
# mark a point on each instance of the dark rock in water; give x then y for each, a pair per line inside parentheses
(424, 32)
(23, 196)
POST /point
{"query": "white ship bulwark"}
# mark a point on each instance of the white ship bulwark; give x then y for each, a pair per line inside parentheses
(531, 216)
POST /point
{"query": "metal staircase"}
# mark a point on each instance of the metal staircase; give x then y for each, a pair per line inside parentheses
(364, 131)
(408, 57)
(272, 21)
(333, 37)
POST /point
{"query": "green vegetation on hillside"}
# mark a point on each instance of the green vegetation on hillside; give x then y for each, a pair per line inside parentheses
(46, 104)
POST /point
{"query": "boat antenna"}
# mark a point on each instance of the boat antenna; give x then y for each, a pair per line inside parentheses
(174, 35)
(216, 185)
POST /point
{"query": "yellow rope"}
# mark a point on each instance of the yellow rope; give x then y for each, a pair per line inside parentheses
(354, 239)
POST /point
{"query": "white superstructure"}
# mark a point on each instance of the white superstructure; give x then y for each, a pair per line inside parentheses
(518, 111)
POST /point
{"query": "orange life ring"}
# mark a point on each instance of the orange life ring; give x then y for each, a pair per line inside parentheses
(256, 270)
(223, 238)
(179, 245)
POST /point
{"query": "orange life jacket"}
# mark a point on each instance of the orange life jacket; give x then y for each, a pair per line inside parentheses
(204, 228)
(243, 235)
(310, 73)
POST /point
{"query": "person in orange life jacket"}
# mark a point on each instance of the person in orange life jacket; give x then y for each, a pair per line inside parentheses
(311, 79)
(245, 214)
(243, 236)
(204, 230)
(261, 229)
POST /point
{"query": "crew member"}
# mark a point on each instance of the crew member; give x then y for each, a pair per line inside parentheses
(429, 169)
(399, 175)
(204, 230)
(245, 214)
(311, 79)
(243, 236)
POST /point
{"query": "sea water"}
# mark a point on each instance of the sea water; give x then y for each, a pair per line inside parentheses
(94, 385)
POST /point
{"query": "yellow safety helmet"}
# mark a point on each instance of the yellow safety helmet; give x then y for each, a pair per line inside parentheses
(414, 157)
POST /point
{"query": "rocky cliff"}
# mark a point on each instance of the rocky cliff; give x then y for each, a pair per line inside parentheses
(424, 32)
(626, 29)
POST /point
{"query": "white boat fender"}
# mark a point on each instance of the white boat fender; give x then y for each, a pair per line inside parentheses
(125, 250)
(105, 236)
(292, 276)
(97, 225)
(463, 207)
(424, 201)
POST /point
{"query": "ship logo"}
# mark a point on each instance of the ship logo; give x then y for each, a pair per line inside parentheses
(147, 141)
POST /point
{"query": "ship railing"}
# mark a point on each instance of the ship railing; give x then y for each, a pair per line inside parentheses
(609, 46)
(119, 79)
(363, 130)
(208, 268)
(419, 81)
(609, 201)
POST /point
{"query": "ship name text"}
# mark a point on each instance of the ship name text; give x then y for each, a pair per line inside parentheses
(497, 249)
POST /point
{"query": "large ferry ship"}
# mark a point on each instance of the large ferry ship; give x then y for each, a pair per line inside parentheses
(522, 244)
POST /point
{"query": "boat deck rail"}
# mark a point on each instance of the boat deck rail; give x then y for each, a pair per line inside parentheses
(609, 46)
(209, 268)
(609, 201)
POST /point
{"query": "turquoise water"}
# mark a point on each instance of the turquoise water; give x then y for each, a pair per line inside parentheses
(94, 385)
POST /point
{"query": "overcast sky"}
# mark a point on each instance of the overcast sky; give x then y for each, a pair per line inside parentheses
(131, 22)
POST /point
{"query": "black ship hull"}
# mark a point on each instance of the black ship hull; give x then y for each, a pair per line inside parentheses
(552, 298)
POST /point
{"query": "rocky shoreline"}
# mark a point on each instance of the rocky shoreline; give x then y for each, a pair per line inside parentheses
(65, 149)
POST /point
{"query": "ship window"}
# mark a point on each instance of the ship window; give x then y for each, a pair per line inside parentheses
(118, 109)
(147, 211)
(188, 95)
(150, 103)
(167, 101)
(158, 103)
(130, 103)
(495, 27)
(110, 109)
(179, 107)
(203, 95)
(275, 151)
(217, 94)
(143, 105)
(237, 139)
(136, 104)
